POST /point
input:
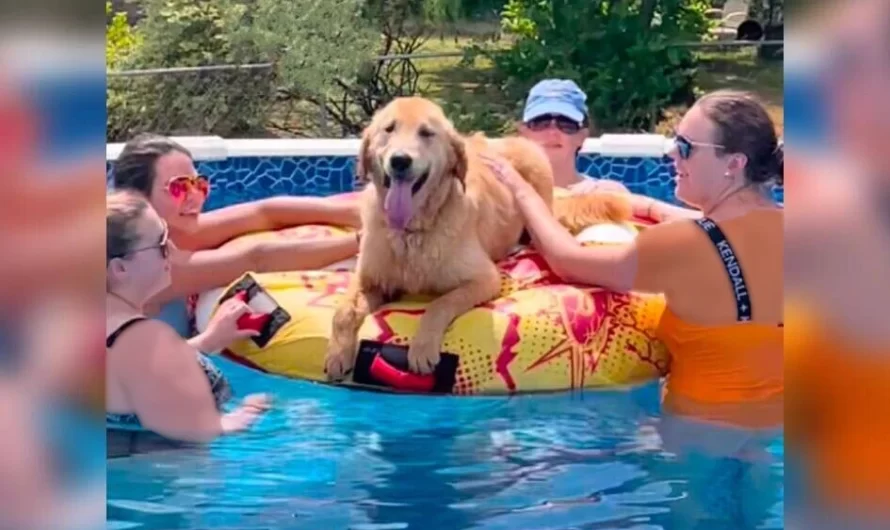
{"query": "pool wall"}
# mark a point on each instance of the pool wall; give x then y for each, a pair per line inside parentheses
(244, 170)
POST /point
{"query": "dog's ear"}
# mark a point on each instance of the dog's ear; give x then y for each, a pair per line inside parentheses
(459, 152)
(363, 161)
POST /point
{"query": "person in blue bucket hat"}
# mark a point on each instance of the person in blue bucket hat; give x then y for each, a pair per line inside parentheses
(557, 97)
(556, 118)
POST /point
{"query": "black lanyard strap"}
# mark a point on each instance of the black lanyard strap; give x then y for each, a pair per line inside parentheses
(732, 267)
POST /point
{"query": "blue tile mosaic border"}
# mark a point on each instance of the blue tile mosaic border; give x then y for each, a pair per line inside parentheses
(237, 180)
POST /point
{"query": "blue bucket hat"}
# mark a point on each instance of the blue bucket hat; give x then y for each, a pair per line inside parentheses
(561, 97)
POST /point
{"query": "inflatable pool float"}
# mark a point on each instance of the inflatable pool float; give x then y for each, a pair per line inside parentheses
(540, 334)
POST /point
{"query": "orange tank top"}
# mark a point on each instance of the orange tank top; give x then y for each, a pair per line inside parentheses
(723, 320)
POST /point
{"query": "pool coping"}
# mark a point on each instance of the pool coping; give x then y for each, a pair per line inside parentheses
(215, 148)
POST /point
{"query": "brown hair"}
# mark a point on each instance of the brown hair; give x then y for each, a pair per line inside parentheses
(134, 168)
(743, 126)
(122, 210)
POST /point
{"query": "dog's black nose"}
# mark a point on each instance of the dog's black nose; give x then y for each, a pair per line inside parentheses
(400, 162)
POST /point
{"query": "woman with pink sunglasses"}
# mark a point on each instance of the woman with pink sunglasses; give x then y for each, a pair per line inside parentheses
(164, 172)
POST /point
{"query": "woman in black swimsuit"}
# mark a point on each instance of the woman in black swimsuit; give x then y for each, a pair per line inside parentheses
(160, 386)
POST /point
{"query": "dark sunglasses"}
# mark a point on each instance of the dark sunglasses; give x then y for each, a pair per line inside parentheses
(163, 246)
(565, 125)
(685, 146)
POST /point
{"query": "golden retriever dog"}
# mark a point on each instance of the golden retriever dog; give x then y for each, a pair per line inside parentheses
(435, 221)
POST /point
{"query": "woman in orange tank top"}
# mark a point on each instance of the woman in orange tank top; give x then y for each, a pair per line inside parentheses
(721, 275)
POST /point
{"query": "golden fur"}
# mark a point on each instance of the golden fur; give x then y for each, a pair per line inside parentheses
(464, 220)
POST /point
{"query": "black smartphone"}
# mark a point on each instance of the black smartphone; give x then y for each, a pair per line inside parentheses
(261, 302)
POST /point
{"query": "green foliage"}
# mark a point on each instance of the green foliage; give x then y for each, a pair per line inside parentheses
(120, 38)
(618, 52)
(769, 12)
(322, 56)
(453, 10)
(312, 45)
(180, 33)
(315, 45)
(188, 33)
(443, 10)
(402, 33)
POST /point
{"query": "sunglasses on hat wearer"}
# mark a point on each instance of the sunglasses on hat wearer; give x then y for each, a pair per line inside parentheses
(565, 125)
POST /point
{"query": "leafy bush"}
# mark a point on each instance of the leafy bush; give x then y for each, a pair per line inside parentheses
(311, 45)
(188, 33)
(617, 52)
(120, 38)
(440, 10)
(355, 100)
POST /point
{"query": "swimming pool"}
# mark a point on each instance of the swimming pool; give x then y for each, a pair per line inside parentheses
(331, 458)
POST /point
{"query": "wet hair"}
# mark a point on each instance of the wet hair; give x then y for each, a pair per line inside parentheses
(743, 126)
(123, 210)
(134, 168)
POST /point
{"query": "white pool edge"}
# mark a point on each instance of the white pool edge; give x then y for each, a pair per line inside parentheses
(216, 148)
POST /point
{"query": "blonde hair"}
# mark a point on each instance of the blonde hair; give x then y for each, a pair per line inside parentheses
(123, 209)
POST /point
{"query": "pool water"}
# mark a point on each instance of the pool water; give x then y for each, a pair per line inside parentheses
(329, 458)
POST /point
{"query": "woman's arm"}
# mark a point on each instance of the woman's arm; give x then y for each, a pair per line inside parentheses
(196, 272)
(612, 266)
(641, 265)
(202, 343)
(165, 385)
(219, 226)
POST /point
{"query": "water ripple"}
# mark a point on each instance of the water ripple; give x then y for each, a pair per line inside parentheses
(332, 458)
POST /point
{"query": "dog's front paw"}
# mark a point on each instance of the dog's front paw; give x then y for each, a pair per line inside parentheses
(423, 355)
(338, 362)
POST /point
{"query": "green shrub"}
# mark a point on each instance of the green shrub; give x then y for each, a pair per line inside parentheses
(187, 33)
(120, 38)
(312, 47)
(617, 52)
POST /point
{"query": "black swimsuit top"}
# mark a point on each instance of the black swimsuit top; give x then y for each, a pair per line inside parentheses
(219, 385)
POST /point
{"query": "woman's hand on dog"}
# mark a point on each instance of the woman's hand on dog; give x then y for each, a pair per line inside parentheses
(505, 173)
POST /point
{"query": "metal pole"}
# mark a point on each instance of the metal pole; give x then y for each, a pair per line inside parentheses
(187, 69)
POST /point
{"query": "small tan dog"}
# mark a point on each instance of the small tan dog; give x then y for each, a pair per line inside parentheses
(435, 221)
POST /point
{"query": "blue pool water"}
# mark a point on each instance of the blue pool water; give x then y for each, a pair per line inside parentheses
(330, 458)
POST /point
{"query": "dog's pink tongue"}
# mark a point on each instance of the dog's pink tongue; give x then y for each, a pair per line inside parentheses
(398, 205)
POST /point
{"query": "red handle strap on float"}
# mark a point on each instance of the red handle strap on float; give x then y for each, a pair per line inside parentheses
(254, 321)
(399, 379)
